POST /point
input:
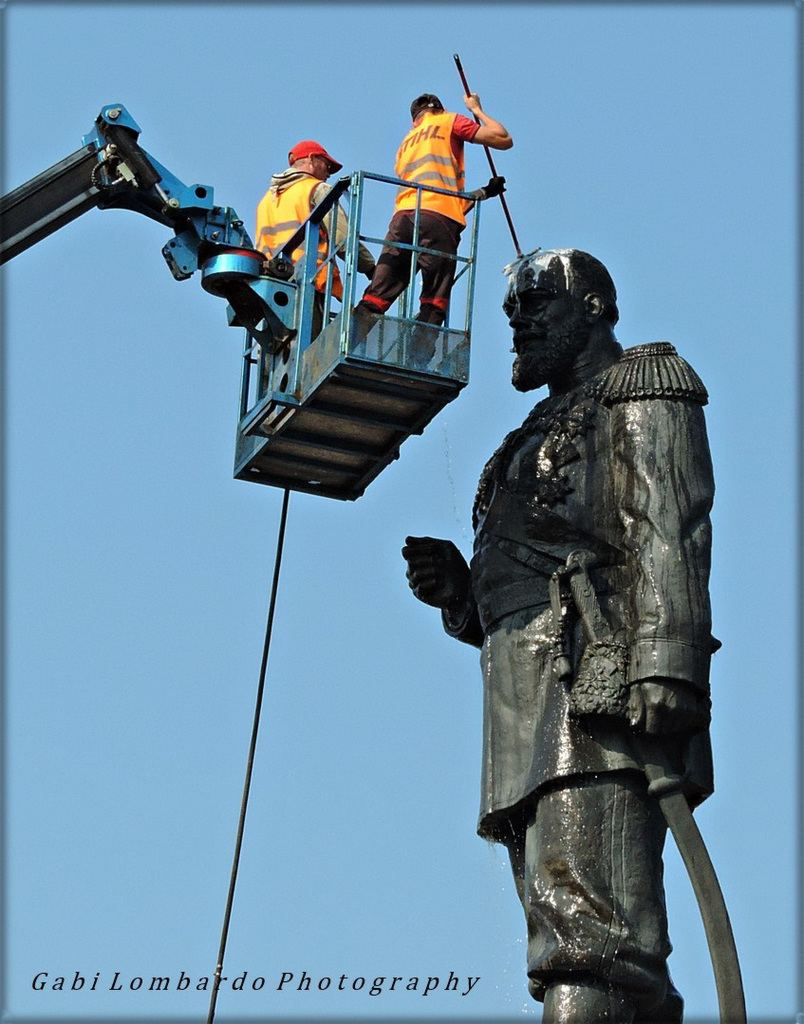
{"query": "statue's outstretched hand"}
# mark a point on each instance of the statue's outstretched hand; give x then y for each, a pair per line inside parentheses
(660, 706)
(437, 571)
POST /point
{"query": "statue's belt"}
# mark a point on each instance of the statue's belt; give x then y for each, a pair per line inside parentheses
(600, 687)
(510, 574)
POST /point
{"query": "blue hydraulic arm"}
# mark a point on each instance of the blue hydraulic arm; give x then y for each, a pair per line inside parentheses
(112, 171)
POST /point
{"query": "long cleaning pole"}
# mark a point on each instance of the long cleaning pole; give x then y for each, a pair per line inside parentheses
(468, 92)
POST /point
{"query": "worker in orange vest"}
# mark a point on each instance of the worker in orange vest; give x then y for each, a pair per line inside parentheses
(432, 153)
(291, 197)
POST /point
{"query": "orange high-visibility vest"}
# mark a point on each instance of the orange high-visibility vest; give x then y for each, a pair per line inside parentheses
(426, 157)
(280, 214)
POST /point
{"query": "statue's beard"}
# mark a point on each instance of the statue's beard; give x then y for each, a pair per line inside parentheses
(541, 360)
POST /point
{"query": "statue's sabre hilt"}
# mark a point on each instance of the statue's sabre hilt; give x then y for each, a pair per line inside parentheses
(595, 627)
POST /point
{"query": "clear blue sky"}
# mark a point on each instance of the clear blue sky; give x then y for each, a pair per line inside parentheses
(660, 138)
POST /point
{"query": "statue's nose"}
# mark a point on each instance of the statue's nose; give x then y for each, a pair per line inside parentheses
(516, 319)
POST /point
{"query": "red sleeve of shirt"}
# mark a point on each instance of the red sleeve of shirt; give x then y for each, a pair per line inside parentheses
(464, 128)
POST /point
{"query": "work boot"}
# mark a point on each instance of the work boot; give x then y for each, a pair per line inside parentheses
(568, 1003)
(424, 336)
(363, 319)
(421, 346)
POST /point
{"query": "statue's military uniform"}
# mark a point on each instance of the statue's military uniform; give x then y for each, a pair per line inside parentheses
(620, 468)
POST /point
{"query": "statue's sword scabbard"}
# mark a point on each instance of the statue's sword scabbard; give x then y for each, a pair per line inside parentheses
(665, 785)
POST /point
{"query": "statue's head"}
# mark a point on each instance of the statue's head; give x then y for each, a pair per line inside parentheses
(557, 300)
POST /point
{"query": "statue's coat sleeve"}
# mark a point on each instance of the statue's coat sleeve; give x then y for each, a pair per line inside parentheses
(663, 490)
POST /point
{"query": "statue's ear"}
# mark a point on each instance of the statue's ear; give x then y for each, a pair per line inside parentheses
(593, 305)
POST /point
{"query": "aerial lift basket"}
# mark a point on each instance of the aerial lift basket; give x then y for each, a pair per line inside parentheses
(326, 413)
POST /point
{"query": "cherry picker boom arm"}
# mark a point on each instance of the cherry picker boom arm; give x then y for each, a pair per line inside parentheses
(111, 171)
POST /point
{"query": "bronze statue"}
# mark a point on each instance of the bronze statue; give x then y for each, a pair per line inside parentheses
(588, 596)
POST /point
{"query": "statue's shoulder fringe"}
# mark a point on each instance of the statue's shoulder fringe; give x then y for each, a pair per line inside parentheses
(649, 371)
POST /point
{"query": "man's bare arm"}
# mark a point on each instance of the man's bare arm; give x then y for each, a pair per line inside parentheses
(490, 133)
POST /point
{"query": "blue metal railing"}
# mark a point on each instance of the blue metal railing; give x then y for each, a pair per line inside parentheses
(287, 388)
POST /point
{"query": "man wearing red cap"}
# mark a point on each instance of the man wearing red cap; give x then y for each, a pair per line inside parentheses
(430, 154)
(290, 199)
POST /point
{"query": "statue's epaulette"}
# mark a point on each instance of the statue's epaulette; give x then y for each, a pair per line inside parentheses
(649, 371)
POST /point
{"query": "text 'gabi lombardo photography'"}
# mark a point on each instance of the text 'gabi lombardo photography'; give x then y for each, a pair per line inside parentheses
(246, 981)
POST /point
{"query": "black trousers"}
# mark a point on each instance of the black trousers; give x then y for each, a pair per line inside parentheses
(392, 275)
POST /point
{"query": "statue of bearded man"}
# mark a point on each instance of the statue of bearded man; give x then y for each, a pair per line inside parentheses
(588, 596)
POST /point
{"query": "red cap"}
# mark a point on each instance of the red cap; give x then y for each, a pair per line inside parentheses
(311, 148)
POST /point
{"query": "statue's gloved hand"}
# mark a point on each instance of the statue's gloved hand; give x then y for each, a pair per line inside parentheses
(659, 706)
(437, 571)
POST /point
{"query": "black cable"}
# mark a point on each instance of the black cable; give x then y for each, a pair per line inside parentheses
(250, 767)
